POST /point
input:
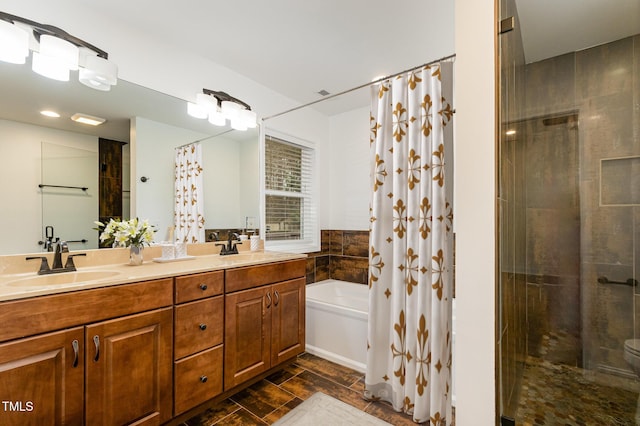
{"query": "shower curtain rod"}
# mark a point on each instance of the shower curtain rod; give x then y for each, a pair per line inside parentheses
(204, 139)
(445, 58)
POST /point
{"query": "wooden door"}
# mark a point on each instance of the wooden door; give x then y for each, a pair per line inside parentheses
(129, 365)
(42, 380)
(247, 335)
(287, 320)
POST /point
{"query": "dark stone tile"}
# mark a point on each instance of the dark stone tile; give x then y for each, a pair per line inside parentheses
(332, 371)
(336, 242)
(242, 418)
(605, 69)
(262, 398)
(325, 241)
(385, 412)
(351, 269)
(550, 86)
(356, 243)
(285, 374)
(215, 414)
(281, 411)
(310, 269)
(606, 131)
(307, 383)
(553, 239)
(322, 268)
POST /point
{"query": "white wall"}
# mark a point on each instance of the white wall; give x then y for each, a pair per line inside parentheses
(349, 170)
(19, 192)
(475, 201)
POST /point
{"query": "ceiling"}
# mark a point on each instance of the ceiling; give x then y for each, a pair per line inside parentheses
(300, 48)
(297, 48)
(551, 27)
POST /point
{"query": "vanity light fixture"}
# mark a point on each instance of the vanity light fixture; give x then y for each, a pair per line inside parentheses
(219, 107)
(58, 52)
(15, 43)
(87, 119)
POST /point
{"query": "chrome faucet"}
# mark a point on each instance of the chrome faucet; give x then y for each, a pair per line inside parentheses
(230, 246)
(69, 266)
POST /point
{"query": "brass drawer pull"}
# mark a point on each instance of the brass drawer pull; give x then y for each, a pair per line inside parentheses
(275, 293)
(203, 327)
(268, 300)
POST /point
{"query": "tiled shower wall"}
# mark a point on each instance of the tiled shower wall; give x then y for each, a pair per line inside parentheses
(601, 86)
(569, 206)
(344, 255)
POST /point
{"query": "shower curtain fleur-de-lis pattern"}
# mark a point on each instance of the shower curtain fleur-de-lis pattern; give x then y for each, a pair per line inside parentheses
(410, 273)
(189, 207)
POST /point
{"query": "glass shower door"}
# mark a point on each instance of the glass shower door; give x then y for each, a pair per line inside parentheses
(569, 234)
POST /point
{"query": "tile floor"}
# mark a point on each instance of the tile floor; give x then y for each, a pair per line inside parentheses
(268, 400)
(556, 394)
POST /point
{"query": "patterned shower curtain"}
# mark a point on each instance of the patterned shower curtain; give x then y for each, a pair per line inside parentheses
(189, 196)
(410, 273)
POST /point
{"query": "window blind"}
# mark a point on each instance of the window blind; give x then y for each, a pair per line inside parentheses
(290, 213)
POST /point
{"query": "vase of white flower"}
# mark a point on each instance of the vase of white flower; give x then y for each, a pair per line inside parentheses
(133, 233)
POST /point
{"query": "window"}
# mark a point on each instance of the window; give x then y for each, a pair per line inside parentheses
(290, 213)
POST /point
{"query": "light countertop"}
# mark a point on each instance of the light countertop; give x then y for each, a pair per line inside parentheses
(106, 267)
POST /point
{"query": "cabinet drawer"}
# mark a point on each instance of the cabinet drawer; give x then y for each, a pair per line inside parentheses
(254, 276)
(198, 378)
(198, 325)
(199, 286)
(41, 314)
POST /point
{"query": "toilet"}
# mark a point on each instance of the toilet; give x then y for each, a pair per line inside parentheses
(632, 354)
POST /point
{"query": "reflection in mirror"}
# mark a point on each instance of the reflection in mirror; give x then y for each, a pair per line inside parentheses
(128, 110)
(230, 173)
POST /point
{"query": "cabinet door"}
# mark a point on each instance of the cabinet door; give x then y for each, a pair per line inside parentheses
(42, 379)
(247, 335)
(287, 320)
(128, 369)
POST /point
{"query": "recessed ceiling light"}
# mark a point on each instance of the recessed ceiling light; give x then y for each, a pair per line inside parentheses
(49, 113)
(510, 132)
(87, 119)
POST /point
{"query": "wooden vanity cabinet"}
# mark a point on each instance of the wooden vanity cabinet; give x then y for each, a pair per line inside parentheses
(42, 378)
(198, 339)
(264, 318)
(121, 371)
(128, 369)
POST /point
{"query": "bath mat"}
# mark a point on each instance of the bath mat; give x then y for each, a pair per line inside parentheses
(322, 409)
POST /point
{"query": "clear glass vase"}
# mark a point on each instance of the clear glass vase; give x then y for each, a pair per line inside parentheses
(136, 255)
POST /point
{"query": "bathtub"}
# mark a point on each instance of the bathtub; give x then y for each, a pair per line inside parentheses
(336, 324)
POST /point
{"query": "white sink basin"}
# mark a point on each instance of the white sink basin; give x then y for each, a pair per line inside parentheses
(62, 278)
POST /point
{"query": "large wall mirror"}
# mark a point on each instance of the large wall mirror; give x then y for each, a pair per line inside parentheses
(52, 167)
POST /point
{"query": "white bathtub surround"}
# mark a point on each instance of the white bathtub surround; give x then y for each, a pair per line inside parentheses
(410, 263)
(336, 322)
